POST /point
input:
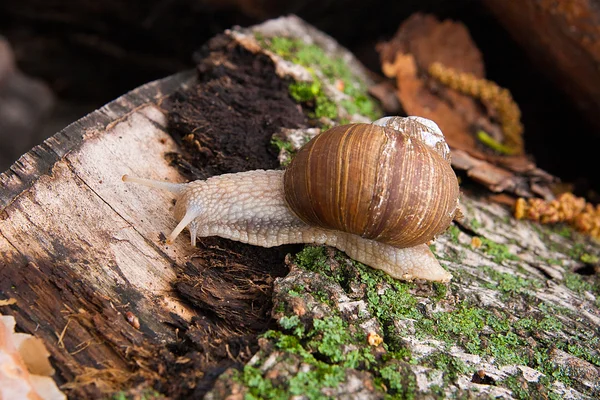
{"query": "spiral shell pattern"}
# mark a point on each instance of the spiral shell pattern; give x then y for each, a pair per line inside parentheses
(373, 181)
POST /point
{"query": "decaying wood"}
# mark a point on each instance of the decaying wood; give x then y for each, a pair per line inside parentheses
(83, 254)
(78, 248)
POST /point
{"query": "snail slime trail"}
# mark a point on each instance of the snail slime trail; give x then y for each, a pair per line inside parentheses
(408, 194)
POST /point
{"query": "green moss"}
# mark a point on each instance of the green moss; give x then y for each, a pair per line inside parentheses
(451, 366)
(258, 386)
(506, 348)
(325, 108)
(506, 341)
(322, 297)
(280, 45)
(292, 323)
(563, 230)
(510, 284)
(433, 249)
(283, 145)
(498, 322)
(576, 251)
(453, 231)
(327, 339)
(519, 387)
(334, 70)
(323, 348)
(304, 91)
(313, 258)
(576, 283)
(454, 255)
(395, 303)
(279, 308)
(399, 380)
(440, 289)
(546, 324)
(589, 258)
(331, 345)
(294, 293)
(461, 325)
(549, 324)
(550, 261)
(362, 105)
(552, 371)
(581, 352)
(499, 252)
(475, 224)
(310, 383)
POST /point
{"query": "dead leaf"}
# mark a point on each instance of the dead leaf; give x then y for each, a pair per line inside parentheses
(422, 40)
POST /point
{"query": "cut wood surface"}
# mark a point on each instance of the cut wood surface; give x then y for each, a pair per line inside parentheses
(81, 247)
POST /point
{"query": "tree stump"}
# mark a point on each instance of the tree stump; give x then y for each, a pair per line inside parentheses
(83, 255)
(70, 257)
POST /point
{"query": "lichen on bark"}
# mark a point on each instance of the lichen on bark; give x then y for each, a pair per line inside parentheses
(520, 319)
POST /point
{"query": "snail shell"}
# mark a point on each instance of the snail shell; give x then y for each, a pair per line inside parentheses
(390, 181)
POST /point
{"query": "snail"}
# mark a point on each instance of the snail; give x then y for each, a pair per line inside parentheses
(378, 192)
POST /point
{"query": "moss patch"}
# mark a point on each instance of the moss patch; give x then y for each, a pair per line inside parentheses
(321, 347)
(309, 382)
(453, 232)
(498, 252)
(305, 92)
(510, 284)
(577, 283)
(484, 331)
(325, 70)
(427, 312)
(523, 390)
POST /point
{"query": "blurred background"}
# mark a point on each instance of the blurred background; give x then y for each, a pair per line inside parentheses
(60, 60)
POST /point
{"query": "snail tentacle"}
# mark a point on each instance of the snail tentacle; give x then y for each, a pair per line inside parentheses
(171, 187)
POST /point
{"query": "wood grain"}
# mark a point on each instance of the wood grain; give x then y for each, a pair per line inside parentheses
(79, 247)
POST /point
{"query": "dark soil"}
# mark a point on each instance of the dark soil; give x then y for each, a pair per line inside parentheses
(232, 113)
(224, 124)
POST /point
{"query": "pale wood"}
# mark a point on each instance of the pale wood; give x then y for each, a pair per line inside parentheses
(65, 208)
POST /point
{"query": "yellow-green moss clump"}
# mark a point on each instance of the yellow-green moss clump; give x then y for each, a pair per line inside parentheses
(331, 71)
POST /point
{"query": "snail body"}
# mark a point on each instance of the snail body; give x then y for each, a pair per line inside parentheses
(377, 191)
